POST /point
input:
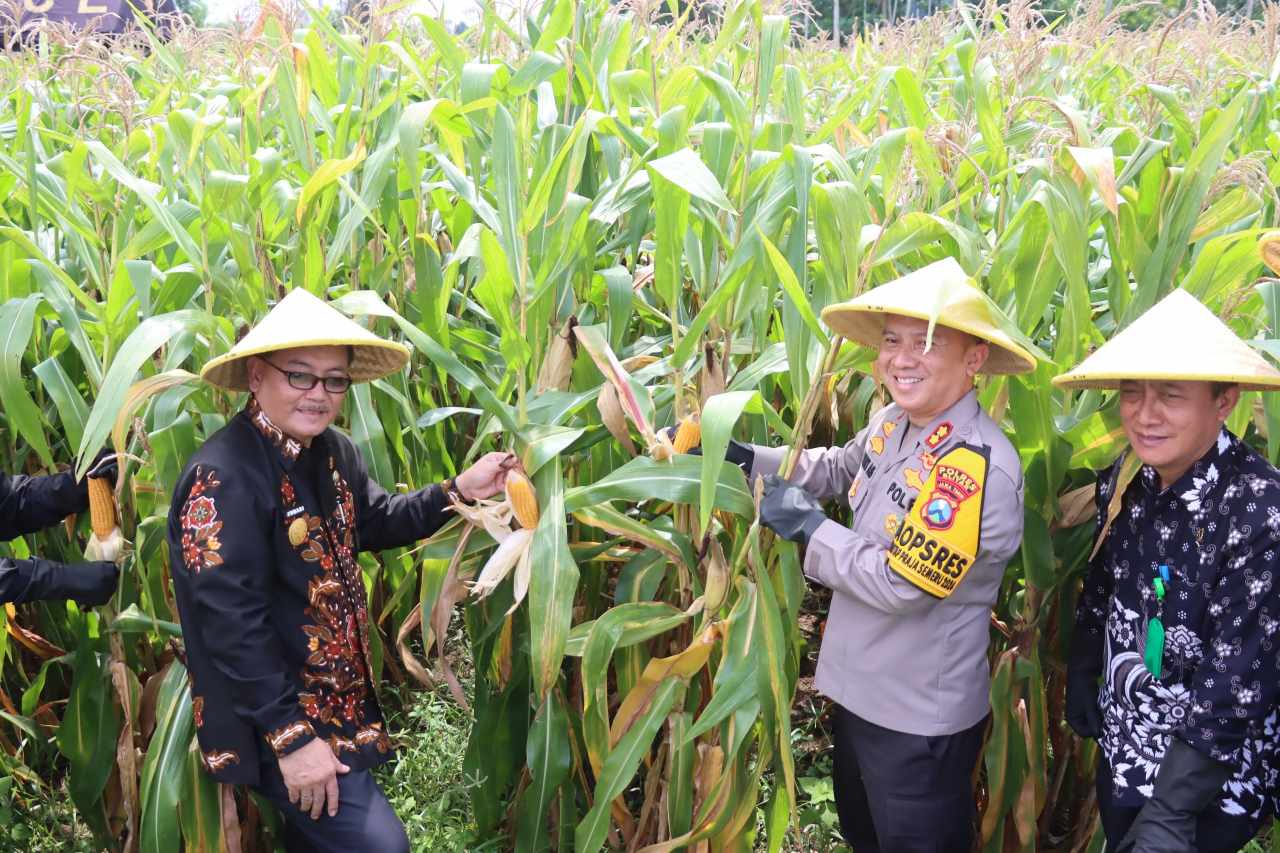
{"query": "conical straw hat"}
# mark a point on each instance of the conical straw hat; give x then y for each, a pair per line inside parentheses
(1176, 339)
(302, 320)
(940, 292)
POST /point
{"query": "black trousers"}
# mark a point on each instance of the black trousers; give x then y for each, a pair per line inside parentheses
(365, 820)
(904, 793)
(1216, 831)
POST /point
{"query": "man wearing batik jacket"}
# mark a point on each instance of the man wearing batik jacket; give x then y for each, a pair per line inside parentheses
(266, 524)
(1178, 616)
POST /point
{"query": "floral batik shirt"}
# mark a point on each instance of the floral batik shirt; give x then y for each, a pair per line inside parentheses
(1217, 532)
(263, 538)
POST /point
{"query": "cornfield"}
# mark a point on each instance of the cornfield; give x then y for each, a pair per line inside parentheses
(591, 223)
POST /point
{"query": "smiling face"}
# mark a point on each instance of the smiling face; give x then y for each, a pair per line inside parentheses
(1172, 424)
(300, 414)
(926, 384)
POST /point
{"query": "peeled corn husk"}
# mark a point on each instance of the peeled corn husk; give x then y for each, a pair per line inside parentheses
(510, 552)
(106, 542)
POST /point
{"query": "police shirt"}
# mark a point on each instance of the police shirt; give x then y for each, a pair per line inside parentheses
(936, 515)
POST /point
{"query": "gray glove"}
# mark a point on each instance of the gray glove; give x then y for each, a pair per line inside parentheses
(790, 511)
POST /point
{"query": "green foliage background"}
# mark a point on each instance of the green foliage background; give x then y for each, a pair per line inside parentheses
(559, 213)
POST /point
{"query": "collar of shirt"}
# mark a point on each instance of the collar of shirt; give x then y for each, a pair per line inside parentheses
(1201, 480)
(944, 428)
(287, 446)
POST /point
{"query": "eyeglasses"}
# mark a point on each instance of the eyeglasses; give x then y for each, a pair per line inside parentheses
(916, 346)
(306, 381)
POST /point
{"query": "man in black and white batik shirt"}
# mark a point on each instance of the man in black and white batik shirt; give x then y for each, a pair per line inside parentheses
(1175, 660)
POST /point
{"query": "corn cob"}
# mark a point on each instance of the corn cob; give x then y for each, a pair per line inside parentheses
(688, 434)
(523, 499)
(106, 542)
(102, 507)
(1269, 248)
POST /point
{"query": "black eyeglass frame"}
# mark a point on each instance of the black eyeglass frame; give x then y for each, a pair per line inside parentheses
(309, 380)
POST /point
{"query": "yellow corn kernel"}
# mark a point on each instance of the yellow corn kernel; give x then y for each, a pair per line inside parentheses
(523, 499)
(102, 507)
(688, 434)
(1269, 248)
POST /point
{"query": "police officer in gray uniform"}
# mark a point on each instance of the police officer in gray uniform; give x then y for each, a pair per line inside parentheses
(935, 490)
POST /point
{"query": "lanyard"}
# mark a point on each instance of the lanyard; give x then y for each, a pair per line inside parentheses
(1154, 656)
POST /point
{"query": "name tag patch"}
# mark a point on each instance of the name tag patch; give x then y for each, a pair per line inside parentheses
(937, 542)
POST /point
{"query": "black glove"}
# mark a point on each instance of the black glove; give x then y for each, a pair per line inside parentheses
(104, 466)
(789, 511)
(1188, 782)
(738, 452)
(36, 579)
(1083, 713)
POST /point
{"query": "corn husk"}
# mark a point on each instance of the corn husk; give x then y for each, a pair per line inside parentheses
(557, 367)
(615, 420)
(716, 586)
(511, 550)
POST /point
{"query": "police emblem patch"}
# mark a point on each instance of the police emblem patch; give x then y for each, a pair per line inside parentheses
(952, 486)
(891, 523)
(912, 478)
(937, 542)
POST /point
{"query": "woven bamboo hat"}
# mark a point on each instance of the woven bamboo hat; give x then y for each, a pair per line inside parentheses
(1178, 338)
(302, 320)
(940, 292)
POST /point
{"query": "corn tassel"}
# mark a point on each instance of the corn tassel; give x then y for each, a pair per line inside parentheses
(523, 499)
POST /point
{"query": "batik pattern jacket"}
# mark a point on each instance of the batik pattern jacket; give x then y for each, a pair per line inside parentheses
(263, 540)
(1217, 532)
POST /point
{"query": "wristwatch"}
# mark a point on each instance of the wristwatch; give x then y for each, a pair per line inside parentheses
(452, 492)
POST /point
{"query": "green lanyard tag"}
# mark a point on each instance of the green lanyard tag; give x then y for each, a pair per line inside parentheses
(1154, 657)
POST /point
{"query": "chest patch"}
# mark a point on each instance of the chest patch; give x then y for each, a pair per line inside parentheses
(937, 541)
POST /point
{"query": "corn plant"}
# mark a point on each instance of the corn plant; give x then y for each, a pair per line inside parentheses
(589, 224)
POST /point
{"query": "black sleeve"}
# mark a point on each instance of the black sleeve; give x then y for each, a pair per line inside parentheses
(225, 543)
(19, 582)
(385, 520)
(28, 504)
